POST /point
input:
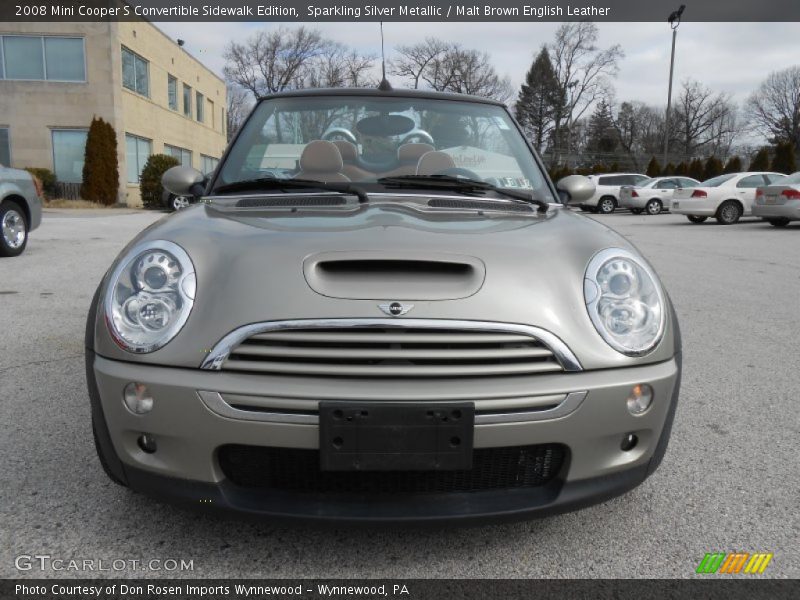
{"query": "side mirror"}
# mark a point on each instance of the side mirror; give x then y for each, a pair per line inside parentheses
(574, 189)
(183, 181)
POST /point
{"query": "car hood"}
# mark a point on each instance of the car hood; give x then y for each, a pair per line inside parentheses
(256, 266)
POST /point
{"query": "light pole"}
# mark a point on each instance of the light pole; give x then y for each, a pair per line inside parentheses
(571, 86)
(674, 20)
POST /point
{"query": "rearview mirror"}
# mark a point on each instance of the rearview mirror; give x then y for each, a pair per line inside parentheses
(182, 181)
(575, 189)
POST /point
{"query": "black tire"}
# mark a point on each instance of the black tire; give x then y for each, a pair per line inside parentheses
(654, 207)
(606, 205)
(696, 218)
(729, 213)
(13, 229)
(636, 211)
(779, 222)
(103, 460)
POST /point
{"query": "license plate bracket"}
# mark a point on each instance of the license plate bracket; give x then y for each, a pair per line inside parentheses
(356, 436)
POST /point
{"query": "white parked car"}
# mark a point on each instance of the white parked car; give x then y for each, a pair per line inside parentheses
(726, 197)
(20, 209)
(654, 195)
(778, 204)
(607, 186)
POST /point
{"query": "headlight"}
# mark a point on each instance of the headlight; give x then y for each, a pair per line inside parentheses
(625, 301)
(150, 296)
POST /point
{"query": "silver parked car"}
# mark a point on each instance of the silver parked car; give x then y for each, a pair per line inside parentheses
(385, 331)
(20, 209)
(605, 199)
(779, 203)
(654, 195)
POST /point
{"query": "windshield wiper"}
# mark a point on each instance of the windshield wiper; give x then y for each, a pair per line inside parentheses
(276, 183)
(460, 184)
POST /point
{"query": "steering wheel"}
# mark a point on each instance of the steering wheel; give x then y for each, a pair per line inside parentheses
(461, 172)
(339, 133)
(418, 135)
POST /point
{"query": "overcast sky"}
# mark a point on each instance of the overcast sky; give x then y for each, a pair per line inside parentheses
(730, 57)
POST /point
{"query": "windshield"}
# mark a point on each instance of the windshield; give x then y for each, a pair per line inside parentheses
(646, 183)
(363, 139)
(718, 180)
(793, 178)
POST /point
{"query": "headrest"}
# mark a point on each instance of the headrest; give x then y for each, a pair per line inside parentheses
(434, 162)
(411, 153)
(347, 149)
(321, 155)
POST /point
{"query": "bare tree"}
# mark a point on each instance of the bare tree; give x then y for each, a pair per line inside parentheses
(775, 106)
(337, 66)
(582, 69)
(638, 128)
(273, 61)
(448, 67)
(703, 121)
(238, 108)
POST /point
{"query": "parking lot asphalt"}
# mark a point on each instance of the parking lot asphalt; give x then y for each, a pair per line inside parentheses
(729, 482)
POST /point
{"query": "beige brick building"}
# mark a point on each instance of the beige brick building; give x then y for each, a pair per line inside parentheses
(55, 77)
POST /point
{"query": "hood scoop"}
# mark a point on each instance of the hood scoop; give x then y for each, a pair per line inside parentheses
(400, 276)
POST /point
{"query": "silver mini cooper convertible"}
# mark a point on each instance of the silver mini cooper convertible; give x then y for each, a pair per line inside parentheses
(381, 310)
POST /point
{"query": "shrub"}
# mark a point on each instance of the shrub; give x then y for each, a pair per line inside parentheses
(784, 161)
(47, 179)
(760, 161)
(734, 165)
(100, 168)
(682, 169)
(653, 168)
(669, 170)
(712, 168)
(150, 179)
(696, 169)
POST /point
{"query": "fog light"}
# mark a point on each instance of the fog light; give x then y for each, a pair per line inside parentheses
(147, 443)
(137, 398)
(629, 442)
(640, 398)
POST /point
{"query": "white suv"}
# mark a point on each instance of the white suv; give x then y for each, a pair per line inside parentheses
(607, 186)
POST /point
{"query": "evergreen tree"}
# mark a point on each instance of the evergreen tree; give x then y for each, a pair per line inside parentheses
(538, 100)
(696, 169)
(760, 161)
(682, 169)
(100, 169)
(712, 168)
(601, 134)
(784, 161)
(734, 165)
(653, 168)
(669, 169)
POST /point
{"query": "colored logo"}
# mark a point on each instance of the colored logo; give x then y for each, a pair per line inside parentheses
(734, 562)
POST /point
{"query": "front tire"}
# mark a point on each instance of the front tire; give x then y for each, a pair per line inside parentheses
(729, 213)
(13, 229)
(779, 222)
(654, 207)
(696, 219)
(607, 205)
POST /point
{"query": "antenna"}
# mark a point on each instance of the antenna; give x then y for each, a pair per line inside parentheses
(384, 85)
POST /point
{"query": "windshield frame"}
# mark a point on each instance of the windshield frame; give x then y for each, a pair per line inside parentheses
(215, 180)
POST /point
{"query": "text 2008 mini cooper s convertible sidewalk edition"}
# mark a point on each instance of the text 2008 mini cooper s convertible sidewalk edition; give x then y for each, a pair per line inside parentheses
(381, 310)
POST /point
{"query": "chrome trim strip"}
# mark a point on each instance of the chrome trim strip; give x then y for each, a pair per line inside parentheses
(570, 404)
(219, 353)
(215, 403)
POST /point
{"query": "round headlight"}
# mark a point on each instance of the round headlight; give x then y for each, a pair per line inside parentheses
(150, 295)
(625, 301)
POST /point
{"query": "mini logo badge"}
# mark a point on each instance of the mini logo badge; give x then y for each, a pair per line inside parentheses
(395, 309)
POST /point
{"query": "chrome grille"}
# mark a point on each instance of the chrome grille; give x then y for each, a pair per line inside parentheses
(391, 351)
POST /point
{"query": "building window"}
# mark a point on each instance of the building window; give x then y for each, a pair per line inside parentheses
(137, 151)
(135, 73)
(69, 148)
(5, 147)
(208, 164)
(187, 101)
(223, 122)
(213, 115)
(200, 107)
(42, 58)
(182, 154)
(172, 92)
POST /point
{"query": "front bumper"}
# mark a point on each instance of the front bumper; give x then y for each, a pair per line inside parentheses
(189, 433)
(788, 210)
